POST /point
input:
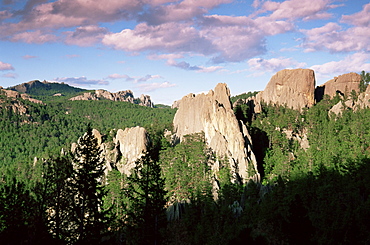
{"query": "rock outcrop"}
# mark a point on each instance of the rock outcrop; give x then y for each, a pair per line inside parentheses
(128, 146)
(361, 102)
(126, 96)
(16, 95)
(131, 142)
(212, 114)
(293, 88)
(343, 84)
(16, 105)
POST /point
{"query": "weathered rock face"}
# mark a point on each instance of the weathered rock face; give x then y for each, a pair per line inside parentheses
(127, 147)
(126, 96)
(362, 102)
(16, 105)
(145, 101)
(131, 142)
(212, 113)
(294, 88)
(344, 84)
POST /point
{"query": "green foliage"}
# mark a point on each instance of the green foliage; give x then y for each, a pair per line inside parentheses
(185, 168)
(243, 96)
(365, 80)
(45, 129)
(45, 91)
(145, 202)
(86, 186)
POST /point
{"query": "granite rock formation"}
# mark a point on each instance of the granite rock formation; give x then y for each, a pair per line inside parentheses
(128, 146)
(126, 96)
(212, 114)
(16, 105)
(132, 143)
(343, 84)
(294, 88)
(361, 102)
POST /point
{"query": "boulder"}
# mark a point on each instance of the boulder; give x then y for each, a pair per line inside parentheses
(212, 114)
(343, 84)
(294, 88)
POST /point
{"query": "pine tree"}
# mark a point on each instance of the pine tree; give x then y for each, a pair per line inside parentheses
(88, 190)
(146, 195)
(59, 199)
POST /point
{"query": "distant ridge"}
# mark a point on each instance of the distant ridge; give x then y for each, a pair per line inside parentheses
(39, 89)
(53, 91)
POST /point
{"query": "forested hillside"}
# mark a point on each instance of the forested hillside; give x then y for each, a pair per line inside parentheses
(314, 188)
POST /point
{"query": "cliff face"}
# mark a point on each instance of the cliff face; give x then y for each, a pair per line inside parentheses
(128, 146)
(344, 84)
(212, 113)
(126, 96)
(294, 88)
(131, 142)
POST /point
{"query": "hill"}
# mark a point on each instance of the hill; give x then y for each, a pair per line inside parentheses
(47, 91)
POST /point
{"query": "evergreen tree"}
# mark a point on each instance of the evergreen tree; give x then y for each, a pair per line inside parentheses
(88, 190)
(59, 198)
(146, 201)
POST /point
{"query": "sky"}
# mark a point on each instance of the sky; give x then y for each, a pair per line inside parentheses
(170, 48)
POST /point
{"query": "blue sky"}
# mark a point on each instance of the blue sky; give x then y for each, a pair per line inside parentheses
(168, 48)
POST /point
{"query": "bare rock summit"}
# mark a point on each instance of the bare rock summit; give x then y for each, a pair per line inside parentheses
(294, 88)
(212, 114)
(343, 84)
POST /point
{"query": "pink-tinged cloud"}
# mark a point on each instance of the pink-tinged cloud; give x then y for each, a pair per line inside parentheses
(147, 78)
(361, 18)
(179, 11)
(118, 76)
(85, 35)
(4, 15)
(168, 37)
(149, 87)
(34, 37)
(298, 9)
(274, 64)
(186, 66)
(10, 75)
(356, 62)
(28, 57)
(335, 39)
(5, 66)
(81, 81)
(165, 56)
(72, 56)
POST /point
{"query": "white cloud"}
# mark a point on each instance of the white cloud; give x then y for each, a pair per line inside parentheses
(274, 64)
(356, 62)
(147, 78)
(118, 76)
(361, 18)
(148, 87)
